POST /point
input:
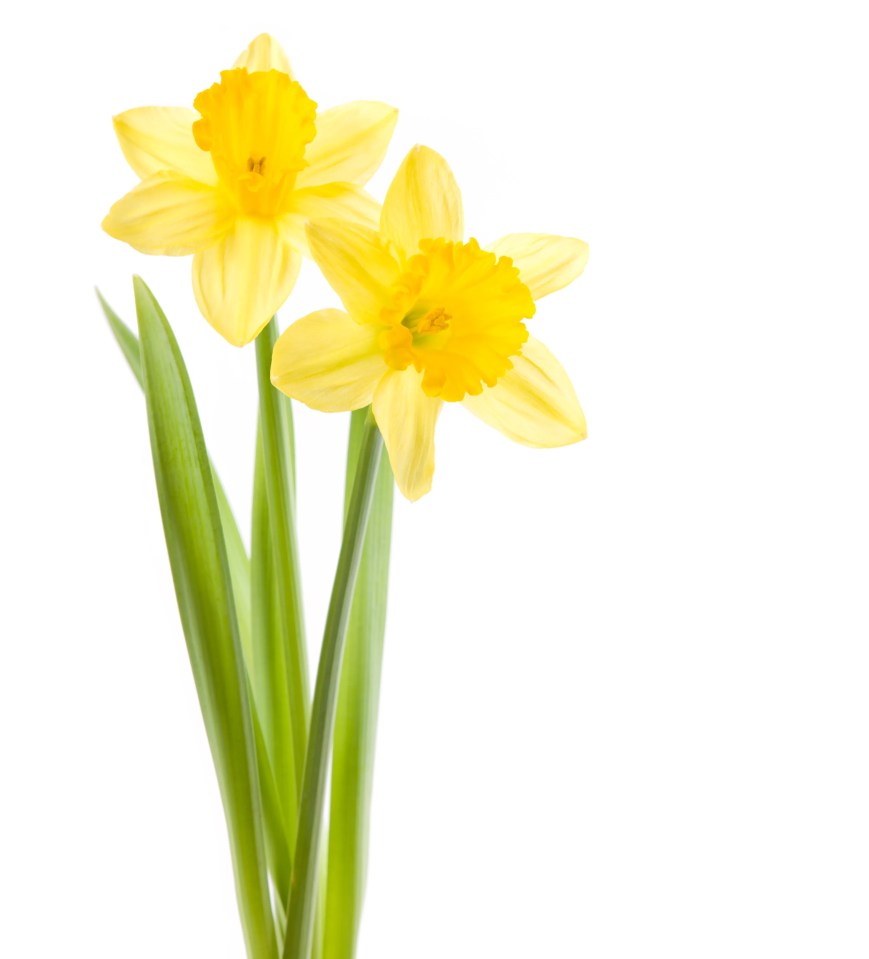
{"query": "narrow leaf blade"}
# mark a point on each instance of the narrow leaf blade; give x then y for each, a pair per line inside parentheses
(239, 564)
(356, 721)
(197, 555)
(270, 671)
(276, 436)
(126, 339)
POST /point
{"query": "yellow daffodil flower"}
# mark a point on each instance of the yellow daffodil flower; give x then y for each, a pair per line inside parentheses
(432, 319)
(235, 180)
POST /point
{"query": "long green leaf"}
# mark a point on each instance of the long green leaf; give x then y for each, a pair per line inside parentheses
(270, 671)
(275, 428)
(197, 554)
(278, 847)
(306, 860)
(356, 720)
(127, 340)
(236, 554)
(280, 839)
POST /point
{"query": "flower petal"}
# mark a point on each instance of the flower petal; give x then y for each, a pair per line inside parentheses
(169, 214)
(264, 53)
(343, 201)
(350, 144)
(161, 138)
(423, 202)
(242, 281)
(407, 418)
(546, 263)
(534, 403)
(328, 362)
(356, 264)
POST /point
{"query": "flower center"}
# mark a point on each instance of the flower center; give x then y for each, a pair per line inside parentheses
(456, 314)
(435, 321)
(256, 127)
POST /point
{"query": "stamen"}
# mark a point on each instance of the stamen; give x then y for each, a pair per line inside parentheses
(434, 321)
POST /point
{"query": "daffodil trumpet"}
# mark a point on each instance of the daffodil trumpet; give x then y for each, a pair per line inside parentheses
(248, 181)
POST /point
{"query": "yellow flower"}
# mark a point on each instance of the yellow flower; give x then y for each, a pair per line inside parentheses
(235, 180)
(432, 319)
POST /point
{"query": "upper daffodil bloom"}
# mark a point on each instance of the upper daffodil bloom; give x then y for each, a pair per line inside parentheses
(432, 319)
(234, 181)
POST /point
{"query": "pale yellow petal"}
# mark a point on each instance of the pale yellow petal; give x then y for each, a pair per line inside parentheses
(407, 418)
(423, 202)
(242, 281)
(343, 201)
(161, 138)
(264, 53)
(356, 263)
(546, 263)
(328, 362)
(169, 214)
(350, 144)
(534, 403)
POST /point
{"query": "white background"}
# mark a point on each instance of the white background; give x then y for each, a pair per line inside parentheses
(624, 706)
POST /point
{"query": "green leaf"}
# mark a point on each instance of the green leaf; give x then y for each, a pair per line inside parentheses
(356, 721)
(276, 436)
(197, 555)
(279, 837)
(239, 573)
(278, 846)
(239, 565)
(306, 859)
(127, 340)
(270, 672)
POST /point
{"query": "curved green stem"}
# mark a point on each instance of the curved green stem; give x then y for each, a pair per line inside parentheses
(303, 899)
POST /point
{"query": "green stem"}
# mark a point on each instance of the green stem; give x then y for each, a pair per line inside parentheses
(275, 426)
(269, 681)
(303, 899)
(356, 718)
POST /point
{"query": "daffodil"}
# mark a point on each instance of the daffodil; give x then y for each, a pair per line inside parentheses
(431, 319)
(234, 181)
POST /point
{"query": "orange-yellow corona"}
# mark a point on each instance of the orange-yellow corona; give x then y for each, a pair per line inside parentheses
(235, 180)
(432, 318)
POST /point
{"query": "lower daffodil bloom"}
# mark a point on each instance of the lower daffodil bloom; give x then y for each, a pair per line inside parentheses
(432, 319)
(235, 180)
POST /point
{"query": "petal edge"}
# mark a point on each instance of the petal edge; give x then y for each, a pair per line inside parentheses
(423, 202)
(546, 262)
(242, 281)
(157, 139)
(355, 263)
(534, 403)
(168, 214)
(264, 53)
(350, 144)
(329, 201)
(407, 418)
(328, 362)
